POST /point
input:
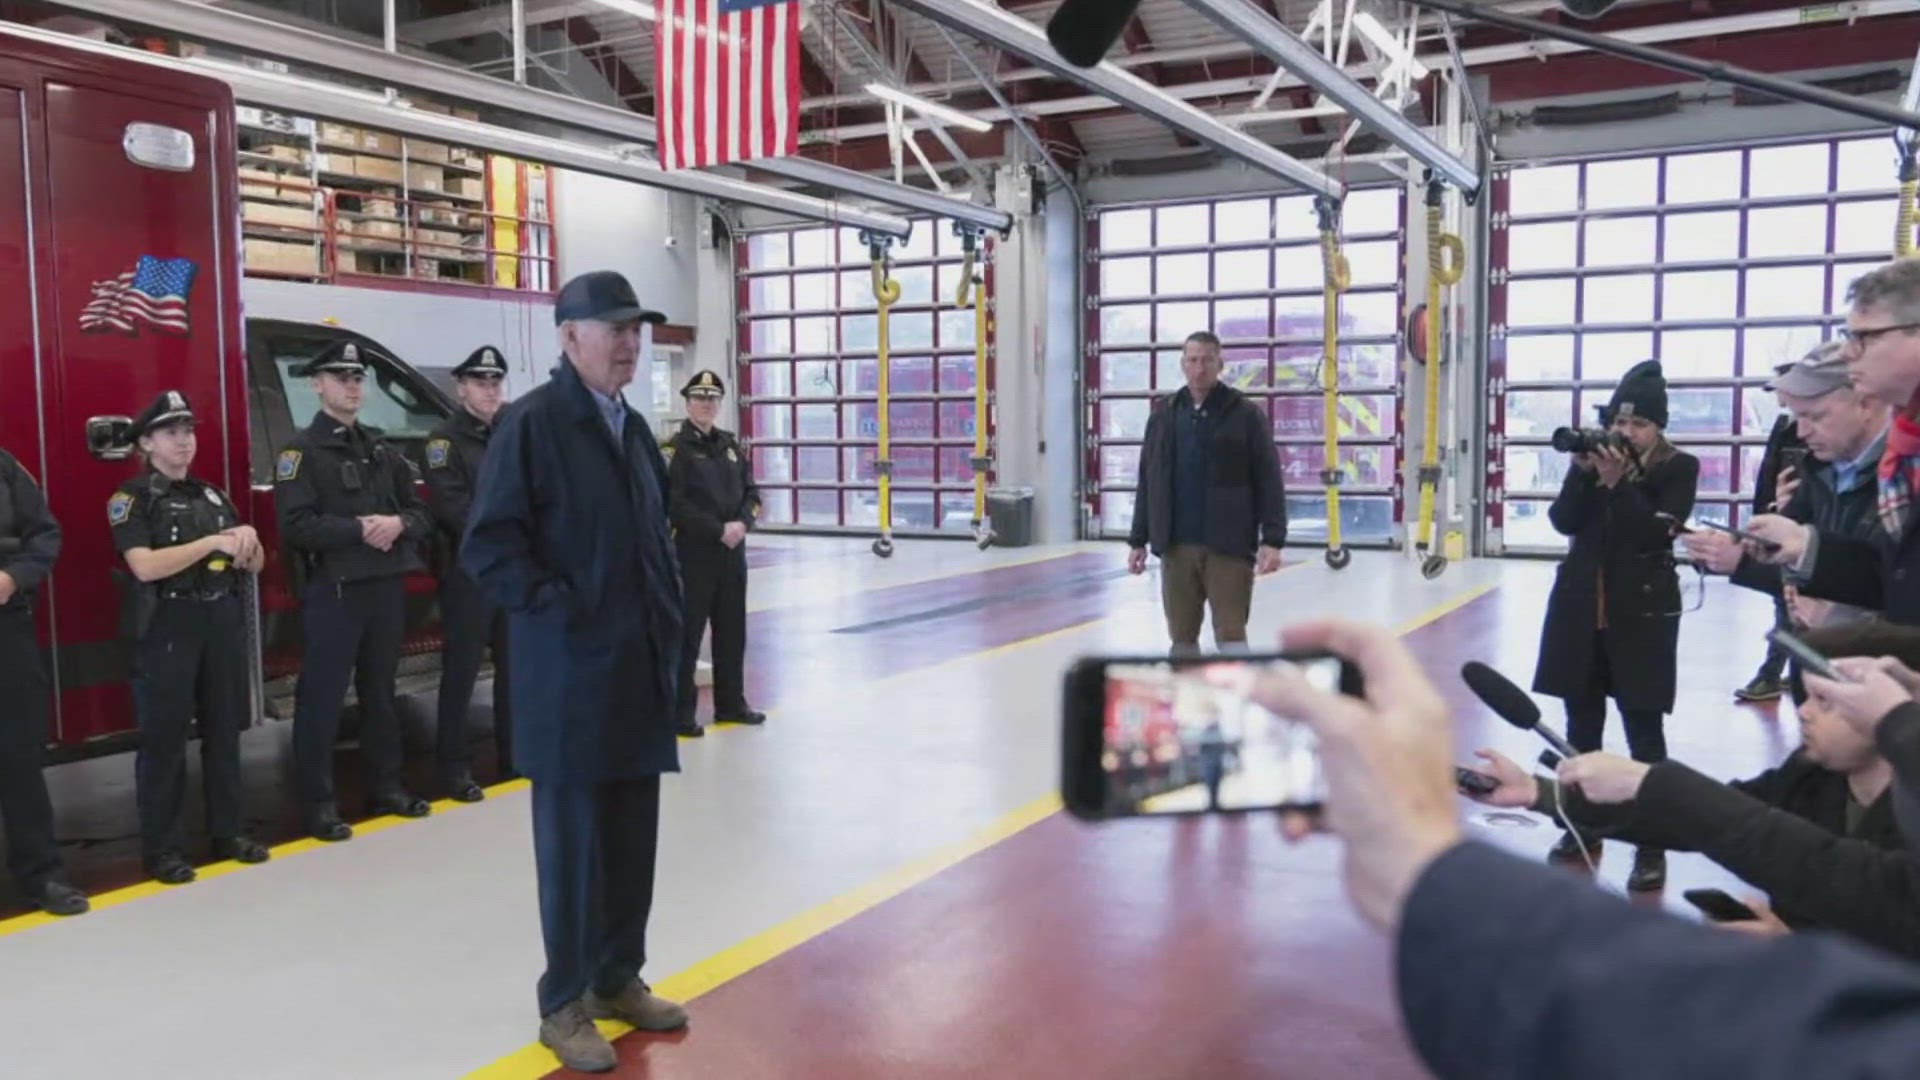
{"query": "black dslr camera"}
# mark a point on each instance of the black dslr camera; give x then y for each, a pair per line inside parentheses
(1587, 440)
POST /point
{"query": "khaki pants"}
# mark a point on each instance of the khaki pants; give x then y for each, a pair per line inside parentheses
(1194, 577)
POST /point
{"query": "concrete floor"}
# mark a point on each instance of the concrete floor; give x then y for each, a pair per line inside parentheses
(858, 889)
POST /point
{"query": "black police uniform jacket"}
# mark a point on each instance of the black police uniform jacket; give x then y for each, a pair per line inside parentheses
(1617, 589)
(712, 481)
(454, 451)
(565, 536)
(29, 536)
(325, 480)
(152, 511)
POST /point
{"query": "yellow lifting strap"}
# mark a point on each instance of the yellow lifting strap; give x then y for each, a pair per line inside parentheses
(1336, 276)
(973, 288)
(1909, 186)
(1440, 273)
(886, 291)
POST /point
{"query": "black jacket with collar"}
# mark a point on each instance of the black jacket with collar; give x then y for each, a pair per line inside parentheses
(711, 478)
(325, 480)
(454, 451)
(1246, 490)
(29, 536)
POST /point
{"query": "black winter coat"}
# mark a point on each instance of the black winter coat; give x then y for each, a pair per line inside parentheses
(1246, 493)
(1618, 540)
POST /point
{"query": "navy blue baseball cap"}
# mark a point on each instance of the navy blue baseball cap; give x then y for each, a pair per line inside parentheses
(602, 295)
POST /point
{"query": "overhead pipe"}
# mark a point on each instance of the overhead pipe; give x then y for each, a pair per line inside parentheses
(1710, 70)
(307, 97)
(1276, 42)
(1479, 56)
(248, 33)
(1012, 33)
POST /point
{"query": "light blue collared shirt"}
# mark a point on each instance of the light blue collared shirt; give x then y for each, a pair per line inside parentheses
(1845, 474)
(614, 411)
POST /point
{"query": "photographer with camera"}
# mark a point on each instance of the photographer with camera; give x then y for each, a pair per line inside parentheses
(1613, 620)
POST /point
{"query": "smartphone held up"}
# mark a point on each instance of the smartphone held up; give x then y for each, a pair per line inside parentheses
(1147, 736)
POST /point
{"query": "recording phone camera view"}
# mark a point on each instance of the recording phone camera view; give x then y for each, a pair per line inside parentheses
(1175, 742)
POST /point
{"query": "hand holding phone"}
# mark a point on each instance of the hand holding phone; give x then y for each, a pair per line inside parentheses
(1761, 542)
(1715, 904)
(1808, 659)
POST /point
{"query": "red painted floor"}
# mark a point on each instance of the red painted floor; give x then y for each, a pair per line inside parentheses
(1203, 948)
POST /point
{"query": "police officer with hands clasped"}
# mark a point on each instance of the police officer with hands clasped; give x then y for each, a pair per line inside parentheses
(187, 550)
(348, 509)
(471, 621)
(714, 502)
(29, 544)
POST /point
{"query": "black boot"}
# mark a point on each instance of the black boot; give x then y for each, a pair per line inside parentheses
(461, 788)
(399, 803)
(169, 868)
(323, 823)
(56, 897)
(1569, 850)
(243, 849)
(1649, 870)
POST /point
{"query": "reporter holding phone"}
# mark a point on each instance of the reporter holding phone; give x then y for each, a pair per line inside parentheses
(1613, 620)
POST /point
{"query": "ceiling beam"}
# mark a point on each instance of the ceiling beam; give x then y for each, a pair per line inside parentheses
(493, 19)
(994, 26)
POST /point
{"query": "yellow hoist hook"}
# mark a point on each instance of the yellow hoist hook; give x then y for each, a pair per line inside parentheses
(1446, 260)
(886, 292)
(1336, 277)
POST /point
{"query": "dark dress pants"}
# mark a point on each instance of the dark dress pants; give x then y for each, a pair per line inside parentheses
(191, 661)
(1587, 715)
(471, 623)
(593, 845)
(33, 855)
(353, 634)
(715, 582)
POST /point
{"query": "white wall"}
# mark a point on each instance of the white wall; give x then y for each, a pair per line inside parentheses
(430, 331)
(645, 233)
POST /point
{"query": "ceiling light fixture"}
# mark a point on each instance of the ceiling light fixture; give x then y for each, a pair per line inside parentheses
(930, 109)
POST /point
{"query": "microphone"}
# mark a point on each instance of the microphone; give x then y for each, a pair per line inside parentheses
(1511, 704)
(1083, 30)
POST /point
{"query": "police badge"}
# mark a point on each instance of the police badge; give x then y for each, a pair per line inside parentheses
(289, 466)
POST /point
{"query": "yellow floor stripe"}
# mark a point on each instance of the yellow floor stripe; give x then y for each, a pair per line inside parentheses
(534, 1060)
(537, 1061)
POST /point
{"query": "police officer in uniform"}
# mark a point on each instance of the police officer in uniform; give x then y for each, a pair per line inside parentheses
(348, 511)
(29, 544)
(714, 502)
(185, 545)
(471, 622)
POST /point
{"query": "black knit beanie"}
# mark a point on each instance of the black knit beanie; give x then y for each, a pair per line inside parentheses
(1642, 392)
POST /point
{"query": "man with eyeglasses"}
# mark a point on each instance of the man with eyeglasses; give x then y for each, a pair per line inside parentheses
(348, 511)
(1845, 433)
(1883, 361)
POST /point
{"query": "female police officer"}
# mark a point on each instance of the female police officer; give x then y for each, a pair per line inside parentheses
(187, 549)
(1613, 619)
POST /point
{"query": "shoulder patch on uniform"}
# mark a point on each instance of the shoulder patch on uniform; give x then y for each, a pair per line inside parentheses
(119, 508)
(289, 465)
(731, 455)
(667, 449)
(437, 453)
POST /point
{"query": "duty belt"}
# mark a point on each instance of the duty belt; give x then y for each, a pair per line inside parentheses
(202, 595)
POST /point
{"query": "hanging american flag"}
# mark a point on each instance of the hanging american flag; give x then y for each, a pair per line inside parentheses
(153, 293)
(727, 81)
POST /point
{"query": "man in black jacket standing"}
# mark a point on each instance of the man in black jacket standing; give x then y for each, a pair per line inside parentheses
(29, 544)
(1211, 501)
(472, 623)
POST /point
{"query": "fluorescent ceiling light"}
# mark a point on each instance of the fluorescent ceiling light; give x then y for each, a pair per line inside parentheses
(632, 7)
(1381, 40)
(930, 109)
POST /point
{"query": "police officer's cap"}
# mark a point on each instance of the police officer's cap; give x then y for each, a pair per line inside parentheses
(601, 295)
(341, 358)
(704, 384)
(171, 407)
(484, 361)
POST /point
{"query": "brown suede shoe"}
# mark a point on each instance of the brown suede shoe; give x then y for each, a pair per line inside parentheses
(637, 1007)
(570, 1034)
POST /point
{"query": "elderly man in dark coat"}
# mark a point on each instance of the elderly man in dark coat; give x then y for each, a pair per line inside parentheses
(569, 534)
(1613, 620)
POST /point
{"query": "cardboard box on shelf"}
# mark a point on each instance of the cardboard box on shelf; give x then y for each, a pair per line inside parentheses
(426, 177)
(467, 187)
(334, 162)
(341, 136)
(373, 228)
(385, 170)
(383, 208)
(422, 150)
(282, 257)
(466, 157)
(384, 143)
(276, 214)
(466, 114)
(284, 152)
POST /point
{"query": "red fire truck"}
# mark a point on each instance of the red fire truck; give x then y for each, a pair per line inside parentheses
(119, 219)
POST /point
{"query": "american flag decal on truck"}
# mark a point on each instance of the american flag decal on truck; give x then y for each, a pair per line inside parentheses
(153, 293)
